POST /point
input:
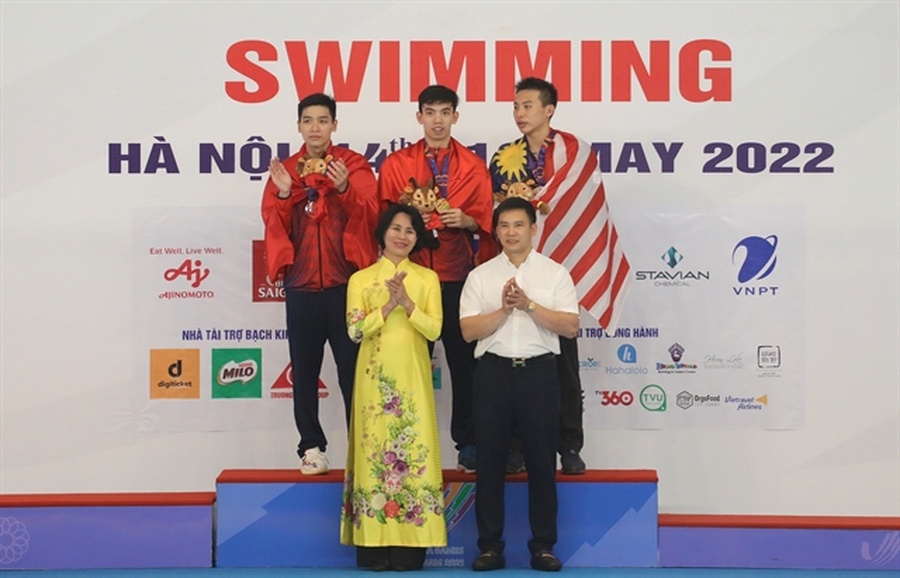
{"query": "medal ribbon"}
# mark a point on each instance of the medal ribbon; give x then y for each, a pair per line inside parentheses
(440, 176)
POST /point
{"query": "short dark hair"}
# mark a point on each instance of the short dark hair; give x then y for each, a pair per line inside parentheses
(438, 94)
(424, 238)
(317, 99)
(548, 94)
(513, 204)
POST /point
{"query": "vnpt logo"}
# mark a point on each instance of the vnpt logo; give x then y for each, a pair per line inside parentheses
(755, 258)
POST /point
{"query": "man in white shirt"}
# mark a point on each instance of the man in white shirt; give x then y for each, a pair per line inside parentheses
(516, 306)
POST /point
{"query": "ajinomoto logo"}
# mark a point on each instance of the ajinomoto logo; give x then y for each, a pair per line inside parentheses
(237, 373)
(174, 374)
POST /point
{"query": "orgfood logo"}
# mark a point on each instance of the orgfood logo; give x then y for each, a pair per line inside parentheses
(653, 398)
(756, 260)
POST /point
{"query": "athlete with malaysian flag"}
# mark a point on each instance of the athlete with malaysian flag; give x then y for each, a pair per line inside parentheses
(576, 232)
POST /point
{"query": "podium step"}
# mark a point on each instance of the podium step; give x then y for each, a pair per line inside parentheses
(89, 531)
(281, 518)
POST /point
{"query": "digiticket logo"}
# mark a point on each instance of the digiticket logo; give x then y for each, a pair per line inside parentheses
(174, 374)
(662, 278)
(756, 260)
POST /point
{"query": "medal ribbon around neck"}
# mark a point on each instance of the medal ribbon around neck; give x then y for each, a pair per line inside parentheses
(440, 176)
(536, 165)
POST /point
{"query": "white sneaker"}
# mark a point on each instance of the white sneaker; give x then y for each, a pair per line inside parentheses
(313, 462)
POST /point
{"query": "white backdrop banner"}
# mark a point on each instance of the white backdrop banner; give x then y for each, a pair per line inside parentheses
(749, 153)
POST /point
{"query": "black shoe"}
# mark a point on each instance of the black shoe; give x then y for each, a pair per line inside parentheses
(546, 561)
(572, 464)
(467, 460)
(490, 561)
(515, 462)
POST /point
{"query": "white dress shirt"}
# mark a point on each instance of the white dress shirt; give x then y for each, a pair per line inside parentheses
(543, 280)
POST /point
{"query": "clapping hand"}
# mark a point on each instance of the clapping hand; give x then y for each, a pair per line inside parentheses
(398, 294)
(514, 297)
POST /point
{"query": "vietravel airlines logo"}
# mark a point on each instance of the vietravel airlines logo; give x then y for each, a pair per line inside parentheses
(673, 276)
(755, 257)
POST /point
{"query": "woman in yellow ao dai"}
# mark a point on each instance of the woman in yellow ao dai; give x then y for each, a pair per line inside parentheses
(393, 489)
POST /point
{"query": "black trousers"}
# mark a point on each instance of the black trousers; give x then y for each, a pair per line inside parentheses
(314, 317)
(571, 412)
(460, 362)
(571, 407)
(527, 399)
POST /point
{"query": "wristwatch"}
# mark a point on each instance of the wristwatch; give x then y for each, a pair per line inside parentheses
(531, 306)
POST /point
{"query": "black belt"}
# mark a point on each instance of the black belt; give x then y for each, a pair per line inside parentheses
(519, 361)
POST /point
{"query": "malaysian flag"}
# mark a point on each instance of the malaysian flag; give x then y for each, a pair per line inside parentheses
(578, 232)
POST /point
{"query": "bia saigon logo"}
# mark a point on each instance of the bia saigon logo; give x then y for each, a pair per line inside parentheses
(236, 373)
(671, 277)
(755, 258)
